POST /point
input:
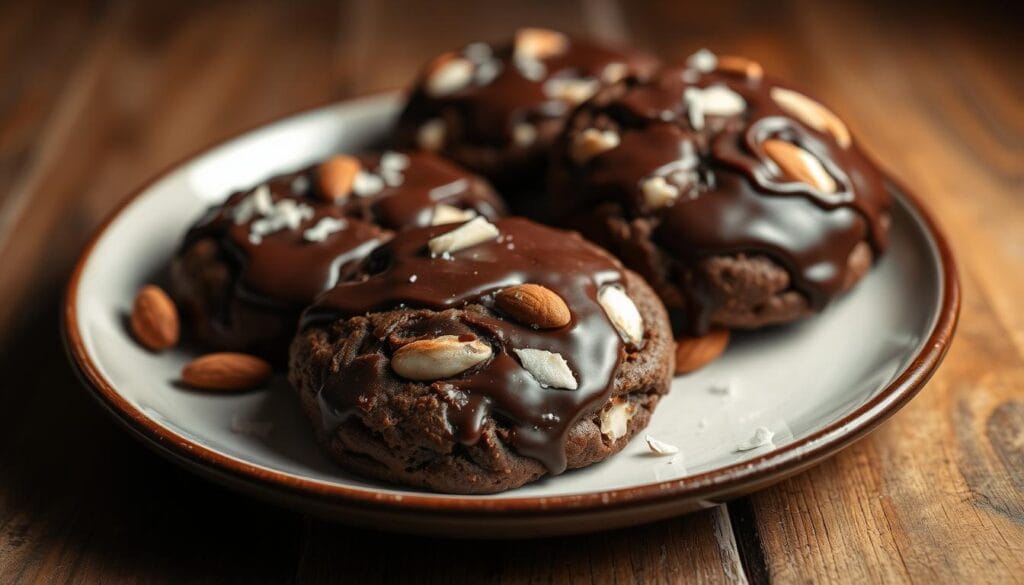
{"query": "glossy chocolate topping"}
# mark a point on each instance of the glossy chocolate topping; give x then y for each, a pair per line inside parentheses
(732, 197)
(402, 274)
(520, 90)
(308, 253)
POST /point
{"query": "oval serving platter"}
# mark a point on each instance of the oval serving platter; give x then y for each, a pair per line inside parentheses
(817, 386)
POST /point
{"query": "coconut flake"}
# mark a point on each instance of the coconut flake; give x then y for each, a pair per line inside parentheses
(285, 214)
(324, 228)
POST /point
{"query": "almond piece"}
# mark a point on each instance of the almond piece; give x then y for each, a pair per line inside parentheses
(811, 113)
(539, 43)
(615, 420)
(336, 176)
(797, 164)
(534, 305)
(573, 91)
(622, 312)
(592, 142)
(438, 358)
(471, 233)
(226, 371)
(741, 66)
(154, 319)
(445, 214)
(659, 193)
(548, 368)
(431, 135)
(693, 353)
(448, 74)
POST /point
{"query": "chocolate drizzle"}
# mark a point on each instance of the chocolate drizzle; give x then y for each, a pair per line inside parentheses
(285, 269)
(402, 275)
(732, 197)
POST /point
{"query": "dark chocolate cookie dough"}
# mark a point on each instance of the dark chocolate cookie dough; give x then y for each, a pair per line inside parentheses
(497, 108)
(247, 268)
(742, 202)
(480, 357)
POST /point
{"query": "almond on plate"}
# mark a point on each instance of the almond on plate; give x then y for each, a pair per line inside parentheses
(154, 319)
(226, 371)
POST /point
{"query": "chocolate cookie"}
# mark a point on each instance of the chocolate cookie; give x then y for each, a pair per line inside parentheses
(480, 357)
(247, 269)
(497, 108)
(743, 202)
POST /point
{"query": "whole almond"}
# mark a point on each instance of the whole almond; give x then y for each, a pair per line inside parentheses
(226, 371)
(154, 319)
(534, 305)
(336, 176)
(740, 66)
(693, 353)
(438, 358)
(797, 164)
(812, 113)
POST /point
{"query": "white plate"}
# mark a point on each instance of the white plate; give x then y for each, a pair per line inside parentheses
(817, 385)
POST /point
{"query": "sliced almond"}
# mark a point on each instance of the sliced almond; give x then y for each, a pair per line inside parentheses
(615, 419)
(445, 214)
(431, 135)
(748, 68)
(336, 176)
(693, 353)
(571, 90)
(534, 305)
(438, 358)
(154, 319)
(812, 113)
(714, 100)
(539, 43)
(226, 371)
(622, 312)
(448, 74)
(548, 368)
(659, 193)
(797, 164)
(592, 142)
(469, 234)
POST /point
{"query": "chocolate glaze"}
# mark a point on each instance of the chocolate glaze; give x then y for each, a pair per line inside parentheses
(285, 270)
(733, 199)
(490, 111)
(540, 418)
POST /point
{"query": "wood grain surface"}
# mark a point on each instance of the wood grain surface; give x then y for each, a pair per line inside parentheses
(97, 96)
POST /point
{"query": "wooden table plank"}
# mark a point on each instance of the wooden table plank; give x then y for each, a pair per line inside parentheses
(79, 499)
(934, 495)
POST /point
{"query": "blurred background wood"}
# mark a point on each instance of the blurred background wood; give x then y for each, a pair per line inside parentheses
(97, 96)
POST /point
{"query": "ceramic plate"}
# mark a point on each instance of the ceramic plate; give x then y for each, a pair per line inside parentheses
(816, 386)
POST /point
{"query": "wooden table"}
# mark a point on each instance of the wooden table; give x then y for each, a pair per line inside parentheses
(98, 96)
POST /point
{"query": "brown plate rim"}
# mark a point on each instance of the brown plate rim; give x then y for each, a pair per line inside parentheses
(775, 464)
